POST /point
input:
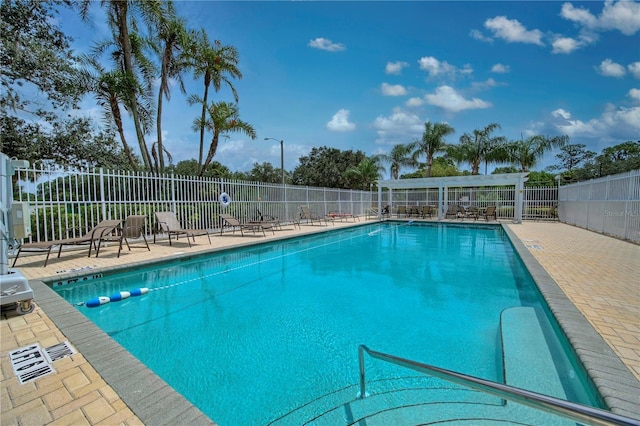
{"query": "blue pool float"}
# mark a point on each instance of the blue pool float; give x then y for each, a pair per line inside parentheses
(139, 291)
(119, 296)
(92, 303)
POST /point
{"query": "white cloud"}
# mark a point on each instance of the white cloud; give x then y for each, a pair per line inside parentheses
(634, 69)
(415, 102)
(490, 82)
(623, 16)
(608, 68)
(615, 122)
(393, 89)
(436, 68)
(326, 44)
(447, 98)
(565, 45)
(340, 122)
(395, 67)
(399, 127)
(500, 68)
(479, 36)
(512, 31)
(634, 94)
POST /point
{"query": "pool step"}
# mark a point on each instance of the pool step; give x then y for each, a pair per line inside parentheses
(424, 400)
(528, 364)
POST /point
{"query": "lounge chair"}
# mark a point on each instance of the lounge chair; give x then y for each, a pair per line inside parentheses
(133, 228)
(426, 211)
(101, 231)
(228, 221)
(470, 212)
(490, 212)
(452, 210)
(402, 210)
(342, 216)
(274, 221)
(167, 222)
(306, 214)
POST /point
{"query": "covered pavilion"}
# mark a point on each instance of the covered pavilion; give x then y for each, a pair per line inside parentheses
(443, 184)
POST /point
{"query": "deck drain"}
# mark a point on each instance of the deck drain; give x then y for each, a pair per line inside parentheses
(32, 362)
(59, 351)
(29, 363)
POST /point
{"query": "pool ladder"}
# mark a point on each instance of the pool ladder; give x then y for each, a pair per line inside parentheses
(576, 412)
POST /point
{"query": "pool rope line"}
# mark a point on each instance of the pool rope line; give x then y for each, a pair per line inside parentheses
(122, 295)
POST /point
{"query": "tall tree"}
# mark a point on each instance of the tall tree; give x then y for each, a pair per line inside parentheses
(223, 118)
(109, 88)
(324, 167)
(525, 153)
(216, 64)
(365, 174)
(72, 142)
(432, 142)
(477, 148)
(571, 156)
(398, 157)
(34, 53)
(118, 12)
(174, 40)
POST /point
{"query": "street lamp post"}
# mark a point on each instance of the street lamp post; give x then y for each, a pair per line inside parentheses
(281, 155)
(284, 189)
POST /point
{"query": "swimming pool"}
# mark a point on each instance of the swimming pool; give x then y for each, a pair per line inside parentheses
(248, 335)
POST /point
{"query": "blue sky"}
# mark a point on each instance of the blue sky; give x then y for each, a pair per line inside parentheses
(367, 75)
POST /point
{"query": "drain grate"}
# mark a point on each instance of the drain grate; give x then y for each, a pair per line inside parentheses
(32, 362)
(29, 363)
(59, 351)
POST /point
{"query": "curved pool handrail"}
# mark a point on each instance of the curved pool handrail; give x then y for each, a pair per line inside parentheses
(549, 404)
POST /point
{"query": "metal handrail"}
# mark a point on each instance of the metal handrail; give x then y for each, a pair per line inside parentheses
(571, 410)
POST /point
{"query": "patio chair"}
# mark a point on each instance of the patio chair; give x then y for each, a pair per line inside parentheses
(228, 221)
(167, 222)
(470, 212)
(402, 210)
(426, 211)
(274, 221)
(133, 228)
(101, 231)
(490, 212)
(306, 214)
(452, 210)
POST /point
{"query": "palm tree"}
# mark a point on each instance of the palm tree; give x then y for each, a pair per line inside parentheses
(526, 152)
(223, 118)
(215, 64)
(432, 141)
(174, 37)
(117, 12)
(366, 172)
(477, 148)
(399, 156)
(109, 89)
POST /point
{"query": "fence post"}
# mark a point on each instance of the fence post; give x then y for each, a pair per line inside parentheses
(173, 193)
(103, 201)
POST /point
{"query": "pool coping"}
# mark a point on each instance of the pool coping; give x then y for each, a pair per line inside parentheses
(615, 383)
(155, 402)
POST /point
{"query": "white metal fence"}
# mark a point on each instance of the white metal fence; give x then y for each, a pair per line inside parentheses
(609, 205)
(62, 200)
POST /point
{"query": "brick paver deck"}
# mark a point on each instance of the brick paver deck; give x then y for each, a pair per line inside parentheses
(598, 274)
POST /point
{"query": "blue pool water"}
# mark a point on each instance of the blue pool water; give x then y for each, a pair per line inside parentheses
(248, 335)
